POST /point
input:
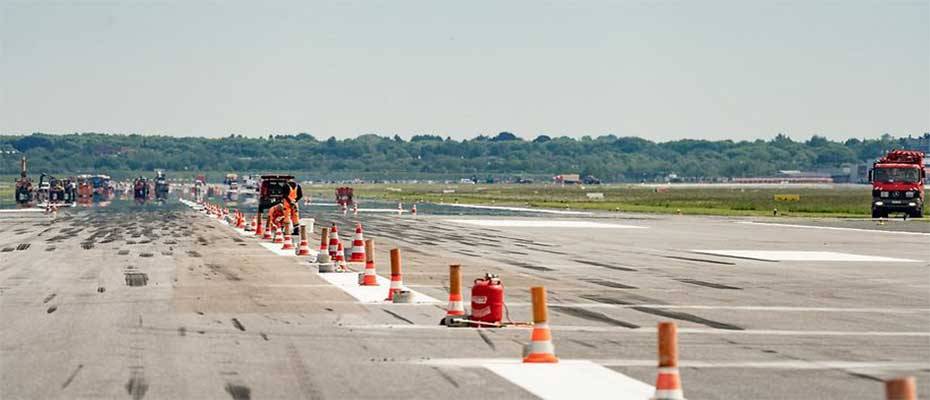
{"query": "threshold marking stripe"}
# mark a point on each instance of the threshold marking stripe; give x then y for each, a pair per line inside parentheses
(571, 380)
(835, 228)
(739, 308)
(348, 282)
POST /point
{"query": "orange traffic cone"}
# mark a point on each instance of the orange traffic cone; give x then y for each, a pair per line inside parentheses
(303, 248)
(540, 348)
(397, 282)
(340, 258)
(324, 240)
(358, 246)
(901, 389)
(259, 230)
(370, 278)
(277, 235)
(333, 241)
(269, 229)
(456, 308)
(288, 240)
(668, 382)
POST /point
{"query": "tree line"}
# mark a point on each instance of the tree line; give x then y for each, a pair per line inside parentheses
(608, 157)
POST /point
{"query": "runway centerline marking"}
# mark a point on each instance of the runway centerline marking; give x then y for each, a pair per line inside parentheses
(790, 255)
(504, 208)
(555, 224)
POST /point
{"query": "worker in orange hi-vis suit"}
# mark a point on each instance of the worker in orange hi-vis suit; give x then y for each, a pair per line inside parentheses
(279, 216)
(290, 203)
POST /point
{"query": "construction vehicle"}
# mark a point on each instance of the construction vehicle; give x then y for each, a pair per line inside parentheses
(161, 186)
(344, 196)
(24, 193)
(232, 191)
(898, 184)
(272, 190)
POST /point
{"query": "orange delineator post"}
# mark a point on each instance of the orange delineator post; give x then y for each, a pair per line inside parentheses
(396, 280)
(668, 382)
(324, 240)
(541, 349)
(371, 277)
(303, 248)
(259, 230)
(456, 308)
(288, 240)
(901, 389)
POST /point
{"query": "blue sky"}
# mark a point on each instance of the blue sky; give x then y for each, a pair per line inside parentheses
(659, 70)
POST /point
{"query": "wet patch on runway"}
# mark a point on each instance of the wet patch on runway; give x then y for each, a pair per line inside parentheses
(708, 284)
(592, 316)
(136, 279)
(603, 265)
(610, 284)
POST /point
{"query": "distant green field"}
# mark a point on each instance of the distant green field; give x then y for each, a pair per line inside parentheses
(850, 201)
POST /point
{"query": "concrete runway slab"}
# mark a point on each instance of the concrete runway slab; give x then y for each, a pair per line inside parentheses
(219, 316)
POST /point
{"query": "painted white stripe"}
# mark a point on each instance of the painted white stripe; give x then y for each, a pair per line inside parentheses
(651, 363)
(276, 248)
(523, 223)
(537, 210)
(348, 282)
(833, 228)
(696, 331)
(740, 308)
(570, 380)
(21, 210)
(781, 255)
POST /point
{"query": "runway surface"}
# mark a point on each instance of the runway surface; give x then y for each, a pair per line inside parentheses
(168, 303)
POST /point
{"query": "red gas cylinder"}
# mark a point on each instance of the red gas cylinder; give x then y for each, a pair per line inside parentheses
(487, 299)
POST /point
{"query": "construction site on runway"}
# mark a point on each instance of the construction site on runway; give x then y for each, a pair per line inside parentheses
(197, 301)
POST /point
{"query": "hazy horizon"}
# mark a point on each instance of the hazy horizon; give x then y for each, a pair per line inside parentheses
(661, 71)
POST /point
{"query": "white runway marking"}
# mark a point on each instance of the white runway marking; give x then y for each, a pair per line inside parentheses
(650, 330)
(570, 380)
(276, 248)
(781, 364)
(833, 228)
(348, 282)
(537, 210)
(780, 255)
(741, 308)
(523, 223)
(21, 210)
